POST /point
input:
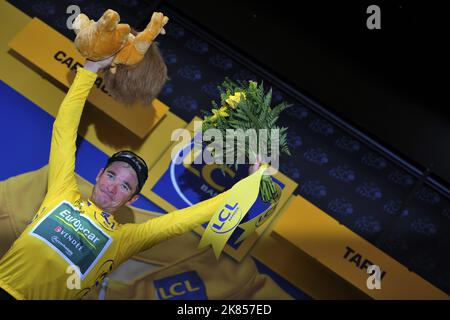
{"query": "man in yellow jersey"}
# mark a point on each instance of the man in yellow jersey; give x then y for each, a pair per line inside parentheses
(73, 243)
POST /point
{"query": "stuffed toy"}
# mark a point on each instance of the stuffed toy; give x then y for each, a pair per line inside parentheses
(102, 39)
(138, 71)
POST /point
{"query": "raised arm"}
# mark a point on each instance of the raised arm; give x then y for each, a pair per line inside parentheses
(139, 237)
(63, 144)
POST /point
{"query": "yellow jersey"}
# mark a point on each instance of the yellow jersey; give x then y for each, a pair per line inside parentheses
(71, 245)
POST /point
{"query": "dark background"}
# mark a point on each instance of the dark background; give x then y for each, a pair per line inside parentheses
(389, 83)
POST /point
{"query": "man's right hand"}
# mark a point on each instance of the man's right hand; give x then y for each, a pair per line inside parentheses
(94, 66)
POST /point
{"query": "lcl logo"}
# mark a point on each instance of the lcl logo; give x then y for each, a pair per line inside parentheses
(225, 214)
(206, 173)
(183, 286)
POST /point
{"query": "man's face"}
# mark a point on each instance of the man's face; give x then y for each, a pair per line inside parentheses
(115, 187)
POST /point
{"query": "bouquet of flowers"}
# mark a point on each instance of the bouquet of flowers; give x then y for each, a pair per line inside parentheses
(245, 106)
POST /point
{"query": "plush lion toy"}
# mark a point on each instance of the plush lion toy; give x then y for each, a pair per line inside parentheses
(138, 71)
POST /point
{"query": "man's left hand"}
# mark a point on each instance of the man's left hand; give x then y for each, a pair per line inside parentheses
(253, 168)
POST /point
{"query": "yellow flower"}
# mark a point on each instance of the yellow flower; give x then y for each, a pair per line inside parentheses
(234, 99)
(222, 112)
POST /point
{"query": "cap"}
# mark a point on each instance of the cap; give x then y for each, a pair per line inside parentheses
(136, 162)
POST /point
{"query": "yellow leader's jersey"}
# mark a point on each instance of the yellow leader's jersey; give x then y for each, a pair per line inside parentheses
(71, 244)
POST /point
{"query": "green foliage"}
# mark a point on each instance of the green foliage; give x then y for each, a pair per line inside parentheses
(244, 105)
